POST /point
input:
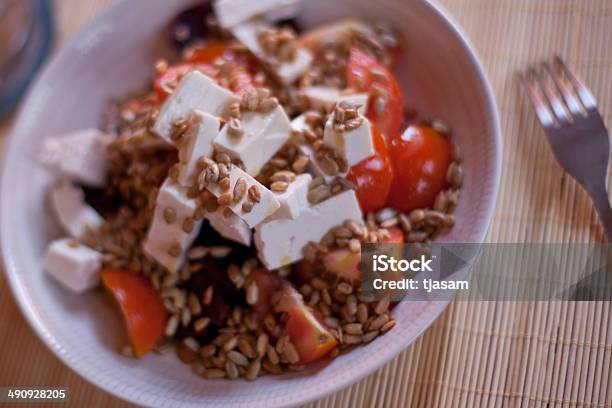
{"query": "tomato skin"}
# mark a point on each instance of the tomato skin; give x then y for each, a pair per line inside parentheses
(360, 73)
(420, 158)
(141, 306)
(208, 53)
(166, 81)
(373, 176)
(310, 337)
(311, 340)
(267, 283)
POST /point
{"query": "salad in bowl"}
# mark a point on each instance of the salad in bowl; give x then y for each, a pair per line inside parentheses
(224, 206)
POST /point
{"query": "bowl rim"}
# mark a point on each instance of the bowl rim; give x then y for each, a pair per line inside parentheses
(10, 267)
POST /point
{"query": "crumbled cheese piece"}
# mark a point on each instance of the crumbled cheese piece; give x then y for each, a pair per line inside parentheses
(264, 134)
(299, 124)
(294, 199)
(355, 144)
(197, 143)
(325, 98)
(337, 32)
(233, 227)
(68, 202)
(168, 240)
(267, 205)
(196, 91)
(288, 72)
(280, 242)
(79, 156)
(73, 265)
(232, 12)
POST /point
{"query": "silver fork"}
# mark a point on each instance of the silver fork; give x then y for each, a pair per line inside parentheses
(568, 112)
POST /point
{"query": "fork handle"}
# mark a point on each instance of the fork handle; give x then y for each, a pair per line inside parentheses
(602, 206)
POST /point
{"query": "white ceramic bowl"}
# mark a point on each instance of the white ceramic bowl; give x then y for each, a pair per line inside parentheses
(441, 76)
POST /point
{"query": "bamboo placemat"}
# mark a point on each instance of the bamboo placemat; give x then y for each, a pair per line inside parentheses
(476, 354)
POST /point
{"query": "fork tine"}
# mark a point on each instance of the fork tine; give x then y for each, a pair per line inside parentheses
(552, 94)
(537, 100)
(568, 95)
(586, 97)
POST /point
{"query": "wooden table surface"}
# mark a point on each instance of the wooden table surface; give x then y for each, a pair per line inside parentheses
(475, 354)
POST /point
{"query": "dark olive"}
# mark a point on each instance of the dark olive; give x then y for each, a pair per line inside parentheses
(291, 23)
(190, 25)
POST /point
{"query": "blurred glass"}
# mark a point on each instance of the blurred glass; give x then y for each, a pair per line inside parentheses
(26, 34)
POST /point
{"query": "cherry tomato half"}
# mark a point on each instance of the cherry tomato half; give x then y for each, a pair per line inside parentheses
(366, 71)
(420, 159)
(141, 306)
(373, 176)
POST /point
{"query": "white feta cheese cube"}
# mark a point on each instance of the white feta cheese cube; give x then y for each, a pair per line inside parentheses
(325, 98)
(196, 91)
(233, 227)
(168, 239)
(232, 12)
(299, 124)
(295, 198)
(68, 202)
(354, 144)
(267, 205)
(264, 134)
(361, 99)
(79, 156)
(288, 72)
(197, 143)
(75, 266)
(248, 34)
(279, 242)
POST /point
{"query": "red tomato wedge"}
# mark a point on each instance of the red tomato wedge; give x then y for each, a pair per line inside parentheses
(420, 158)
(310, 337)
(207, 53)
(365, 71)
(141, 306)
(373, 176)
(267, 283)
